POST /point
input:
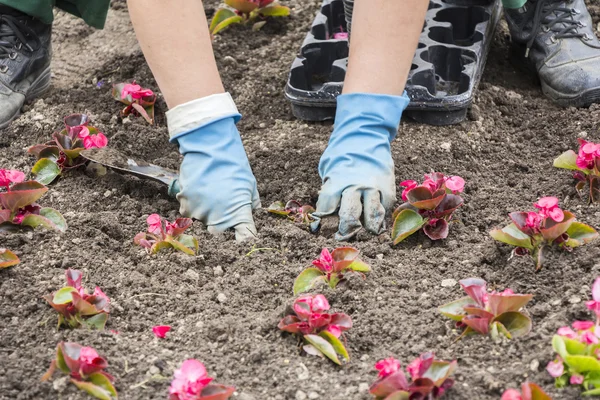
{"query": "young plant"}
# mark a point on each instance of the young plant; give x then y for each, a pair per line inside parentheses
(586, 167)
(247, 11)
(86, 369)
(18, 207)
(496, 313)
(529, 391)
(320, 330)
(293, 210)
(531, 232)
(163, 234)
(8, 258)
(63, 152)
(191, 382)
(76, 307)
(331, 268)
(138, 101)
(578, 351)
(430, 378)
(429, 205)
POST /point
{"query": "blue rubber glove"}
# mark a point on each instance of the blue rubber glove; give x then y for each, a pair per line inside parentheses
(216, 183)
(357, 167)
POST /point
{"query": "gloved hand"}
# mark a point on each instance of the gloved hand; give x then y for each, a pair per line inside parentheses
(357, 164)
(216, 183)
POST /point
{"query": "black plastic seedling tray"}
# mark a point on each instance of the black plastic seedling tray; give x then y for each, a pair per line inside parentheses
(445, 71)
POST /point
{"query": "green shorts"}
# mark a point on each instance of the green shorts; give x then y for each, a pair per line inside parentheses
(93, 12)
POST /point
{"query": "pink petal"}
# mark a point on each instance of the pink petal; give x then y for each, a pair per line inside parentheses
(547, 202)
(596, 290)
(576, 379)
(413, 368)
(15, 176)
(88, 143)
(153, 219)
(582, 163)
(555, 368)
(319, 303)
(83, 132)
(582, 325)
(588, 337)
(455, 183)
(511, 394)
(87, 355)
(557, 214)
(100, 140)
(387, 367)
(334, 330)
(408, 184)
(160, 331)
(567, 332)
(533, 220)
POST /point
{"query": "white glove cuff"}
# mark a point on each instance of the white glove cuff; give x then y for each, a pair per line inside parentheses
(196, 113)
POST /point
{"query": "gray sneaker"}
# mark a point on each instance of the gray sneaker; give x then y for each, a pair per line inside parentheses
(25, 53)
(555, 39)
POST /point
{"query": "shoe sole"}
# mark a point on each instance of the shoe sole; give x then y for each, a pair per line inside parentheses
(37, 88)
(580, 100)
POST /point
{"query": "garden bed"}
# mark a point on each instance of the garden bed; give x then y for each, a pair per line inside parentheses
(504, 151)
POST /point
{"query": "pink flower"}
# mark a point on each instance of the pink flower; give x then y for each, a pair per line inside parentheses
(334, 330)
(588, 337)
(306, 306)
(319, 303)
(455, 183)
(95, 141)
(567, 332)
(325, 261)
(555, 368)
(90, 361)
(548, 207)
(413, 368)
(511, 394)
(8, 176)
(576, 379)
(408, 185)
(507, 292)
(135, 91)
(154, 224)
(594, 305)
(189, 381)
(160, 331)
(533, 220)
(588, 152)
(387, 367)
(582, 325)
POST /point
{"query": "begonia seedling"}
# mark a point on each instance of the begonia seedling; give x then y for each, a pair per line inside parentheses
(138, 101)
(63, 152)
(495, 313)
(8, 258)
(586, 166)
(191, 382)
(332, 268)
(85, 368)
(247, 11)
(430, 378)
(18, 207)
(529, 391)
(428, 206)
(76, 307)
(531, 232)
(293, 210)
(578, 351)
(320, 330)
(162, 234)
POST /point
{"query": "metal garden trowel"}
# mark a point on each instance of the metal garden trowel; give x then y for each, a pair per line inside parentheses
(116, 161)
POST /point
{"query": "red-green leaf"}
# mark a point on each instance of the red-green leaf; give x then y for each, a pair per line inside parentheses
(21, 195)
(513, 236)
(567, 160)
(45, 171)
(217, 392)
(436, 230)
(406, 223)
(440, 371)
(359, 266)
(244, 6)
(390, 384)
(93, 389)
(143, 111)
(553, 229)
(8, 258)
(343, 257)
(422, 198)
(582, 363)
(518, 324)
(48, 218)
(186, 244)
(324, 347)
(580, 234)
(64, 295)
(222, 19)
(478, 324)
(308, 280)
(337, 345)
(500, 304)
(275, 11)
(456, 309)
(97, 321)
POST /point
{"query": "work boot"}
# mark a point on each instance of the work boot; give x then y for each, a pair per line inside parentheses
(25, 53)
(555, 40)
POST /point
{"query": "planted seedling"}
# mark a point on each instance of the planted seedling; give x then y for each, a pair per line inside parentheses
(163, 234)
(331, 268)
(319, 330)
(293, 210)
(8, 258)
(138, 101)
(430, 378)
(529, 391)
(76, 307)
(586, 166)
(428, 206)
(85, 368)
(531, 232)
(18, 207)
(247, 11)
(191, 382)
(496, 313)
(63, 152)
(578, 351)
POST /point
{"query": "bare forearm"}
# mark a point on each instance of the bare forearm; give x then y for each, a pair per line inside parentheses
(175, 39)
(385, 34)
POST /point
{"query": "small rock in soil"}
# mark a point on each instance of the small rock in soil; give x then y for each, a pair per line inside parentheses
(218, 270)
(221, 298)
(313, 395)
(60, 384)
(575, 300)
(448, 282)
(153, 370)
(534, 365)
(190, 273)
(363, 387)
(300, 395)
(446, 146)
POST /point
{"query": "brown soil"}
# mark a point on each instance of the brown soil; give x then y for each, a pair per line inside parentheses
(504, 151)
